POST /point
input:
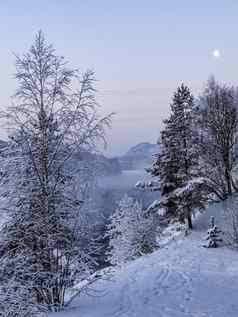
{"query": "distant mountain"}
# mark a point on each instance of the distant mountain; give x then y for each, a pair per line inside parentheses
(104, 166)
(143, 149)
(139, 156)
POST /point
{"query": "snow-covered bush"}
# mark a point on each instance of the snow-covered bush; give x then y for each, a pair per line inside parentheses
(131, 232)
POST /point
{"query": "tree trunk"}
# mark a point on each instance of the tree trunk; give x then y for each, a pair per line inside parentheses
(227, 166)
(234, 184)
(228, 182)
(190, 224)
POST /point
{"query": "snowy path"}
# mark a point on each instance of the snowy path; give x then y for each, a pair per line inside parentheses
(183, 279)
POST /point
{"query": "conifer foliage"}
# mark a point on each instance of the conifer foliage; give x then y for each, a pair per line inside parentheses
(176, 163)
(41, 252)
(213, 235)
(132, 233)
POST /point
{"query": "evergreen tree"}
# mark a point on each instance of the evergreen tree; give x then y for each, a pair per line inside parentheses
(131, 232)
(177, 162)
(213, 235)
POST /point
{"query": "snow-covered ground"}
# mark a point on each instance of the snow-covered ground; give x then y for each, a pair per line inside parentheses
(181, 279)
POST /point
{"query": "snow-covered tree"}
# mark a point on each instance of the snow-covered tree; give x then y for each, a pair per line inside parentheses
(131, 232)
(213, 235)
(42, 251)
(176, 165)
(218, 129)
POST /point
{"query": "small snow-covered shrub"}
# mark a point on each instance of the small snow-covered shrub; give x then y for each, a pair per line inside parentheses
(213, 235)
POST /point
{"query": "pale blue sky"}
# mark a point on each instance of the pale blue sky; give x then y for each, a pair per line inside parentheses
(141, 51)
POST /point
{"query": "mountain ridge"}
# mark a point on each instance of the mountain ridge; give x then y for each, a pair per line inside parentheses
(138, 156)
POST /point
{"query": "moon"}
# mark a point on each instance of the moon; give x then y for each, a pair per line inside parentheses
(216, 53)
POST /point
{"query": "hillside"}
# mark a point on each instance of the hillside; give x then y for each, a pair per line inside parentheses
(182, 279)
(104, 166)
(138, 156)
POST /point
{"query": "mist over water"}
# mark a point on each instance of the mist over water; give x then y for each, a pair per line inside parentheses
(124, 181)
(114, 187)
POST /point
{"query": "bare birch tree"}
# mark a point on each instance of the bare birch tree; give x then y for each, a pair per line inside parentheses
(218, 138)
(49, 120)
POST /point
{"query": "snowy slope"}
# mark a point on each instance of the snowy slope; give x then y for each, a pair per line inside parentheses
(182, 279)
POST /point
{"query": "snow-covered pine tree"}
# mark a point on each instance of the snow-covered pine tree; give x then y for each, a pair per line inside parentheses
(176, 163)
(131, 232)
(41, 250)
(213, 235)
(166, 166)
